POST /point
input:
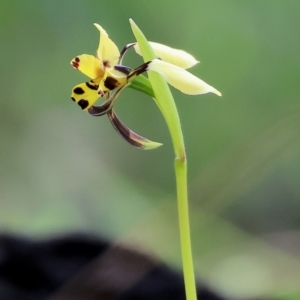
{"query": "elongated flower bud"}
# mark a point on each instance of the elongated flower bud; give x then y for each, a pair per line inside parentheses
(176, 57)
(181, 79)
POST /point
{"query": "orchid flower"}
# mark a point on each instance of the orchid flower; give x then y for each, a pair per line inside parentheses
(108, 74)
(105, 77)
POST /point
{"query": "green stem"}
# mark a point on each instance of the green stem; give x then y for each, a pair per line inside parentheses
(185, 240)
(168, 108)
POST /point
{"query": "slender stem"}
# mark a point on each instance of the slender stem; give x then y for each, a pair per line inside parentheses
(168, 108)
(186, 250)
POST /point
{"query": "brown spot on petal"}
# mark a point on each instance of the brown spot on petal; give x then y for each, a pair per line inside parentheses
(111, 83)
(78, 91)
(75, 64)
(92, 86)
(83, 103)
(106, 64)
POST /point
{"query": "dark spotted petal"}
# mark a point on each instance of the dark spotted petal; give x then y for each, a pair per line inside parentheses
(130, 136)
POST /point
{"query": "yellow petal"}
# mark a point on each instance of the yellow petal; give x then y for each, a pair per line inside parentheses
(181, 79)
(176, 57)
(88, 65)
(107, 51)
(85, 94)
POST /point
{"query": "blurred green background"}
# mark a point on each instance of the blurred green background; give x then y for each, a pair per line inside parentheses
(62, 170)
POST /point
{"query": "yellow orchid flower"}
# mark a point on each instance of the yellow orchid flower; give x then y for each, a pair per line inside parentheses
(107, 73)
(97, 69)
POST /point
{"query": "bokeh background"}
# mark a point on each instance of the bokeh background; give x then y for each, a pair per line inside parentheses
(62, 170)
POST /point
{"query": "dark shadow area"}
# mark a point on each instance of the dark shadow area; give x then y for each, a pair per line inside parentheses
(78, 267)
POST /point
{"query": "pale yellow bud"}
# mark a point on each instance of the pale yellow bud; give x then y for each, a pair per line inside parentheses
(176, 57)
(181, 79)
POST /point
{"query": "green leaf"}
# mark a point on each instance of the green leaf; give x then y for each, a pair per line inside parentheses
(142, 84)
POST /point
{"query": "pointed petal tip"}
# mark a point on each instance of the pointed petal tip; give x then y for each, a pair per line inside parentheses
(216, 92)
(150, 145)
(133, 25)
(101, 29)
(96, 25)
